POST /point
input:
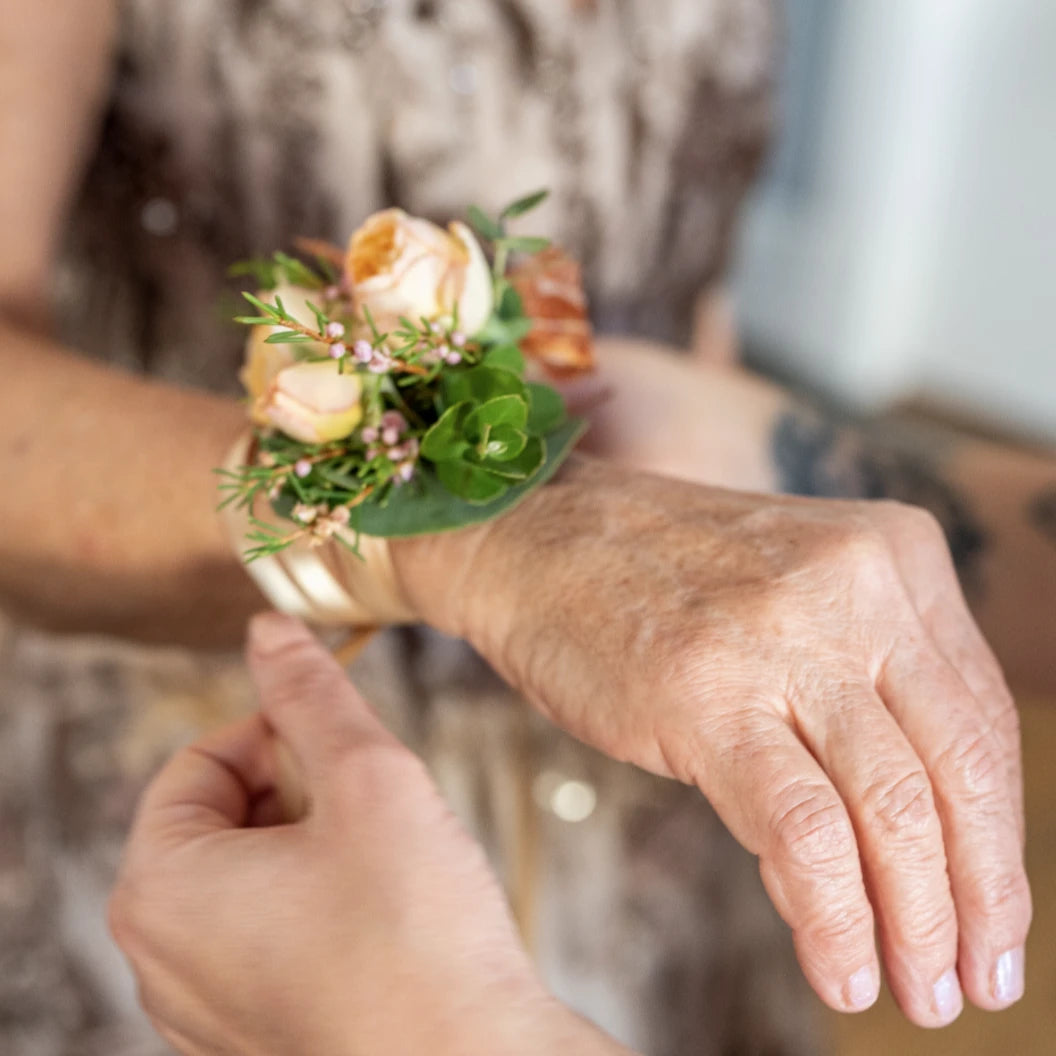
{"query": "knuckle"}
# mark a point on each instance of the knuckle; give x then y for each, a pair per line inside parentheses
(932, 928)
(973, 763)
(811, 828)
(904, 806)
(864, 556)
(1007, 726)
(841, 926)
(1005, 894)
(916, 522)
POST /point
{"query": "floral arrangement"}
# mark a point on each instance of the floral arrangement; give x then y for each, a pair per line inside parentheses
(391, 385)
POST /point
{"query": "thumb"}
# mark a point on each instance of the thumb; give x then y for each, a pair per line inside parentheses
(211, 785)
(307, 699)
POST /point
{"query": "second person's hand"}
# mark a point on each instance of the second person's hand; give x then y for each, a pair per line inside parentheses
(372, 925)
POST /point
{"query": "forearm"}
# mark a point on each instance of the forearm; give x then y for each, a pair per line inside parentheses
(732, 429)
(110, 520)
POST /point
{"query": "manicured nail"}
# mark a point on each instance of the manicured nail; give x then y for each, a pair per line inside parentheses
(271, 631)
(863, 988)
(948, 997)
(1009, 976)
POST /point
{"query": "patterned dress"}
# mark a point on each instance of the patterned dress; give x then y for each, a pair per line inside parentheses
(233, 127)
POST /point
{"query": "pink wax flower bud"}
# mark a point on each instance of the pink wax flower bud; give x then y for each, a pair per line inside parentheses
(363, 350)
(393, 420)
(335, 329)
(302, 468)
(337, 350)
(369, 435)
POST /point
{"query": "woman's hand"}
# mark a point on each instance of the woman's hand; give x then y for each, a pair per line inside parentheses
(372, 925)
(810, 666)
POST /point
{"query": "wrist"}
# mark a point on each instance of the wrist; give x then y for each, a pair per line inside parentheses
(452, 579)
(525, 1024)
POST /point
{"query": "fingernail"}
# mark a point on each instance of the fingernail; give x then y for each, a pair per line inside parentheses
(863, 988)
(272, 631)
(948, 997)
(1009, 976)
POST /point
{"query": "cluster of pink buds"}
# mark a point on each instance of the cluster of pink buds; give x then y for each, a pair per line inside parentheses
(334, 332)
(376, 360)
(321, 521)
(389, 438)
(448, 352)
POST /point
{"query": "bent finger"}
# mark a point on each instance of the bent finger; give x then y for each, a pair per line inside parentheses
(967, 764)
(888, 794)
(778, 802)
(209, 785)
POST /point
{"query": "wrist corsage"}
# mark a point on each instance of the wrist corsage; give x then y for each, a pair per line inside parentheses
(388, 385)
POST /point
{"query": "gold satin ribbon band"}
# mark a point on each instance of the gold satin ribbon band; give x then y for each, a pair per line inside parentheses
(324, 585)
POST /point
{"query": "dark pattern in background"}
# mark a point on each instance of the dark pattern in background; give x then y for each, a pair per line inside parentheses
(817, 457)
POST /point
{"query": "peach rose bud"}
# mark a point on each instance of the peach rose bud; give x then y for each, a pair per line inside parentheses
(313, 402)
(399, 265)
(263, 361)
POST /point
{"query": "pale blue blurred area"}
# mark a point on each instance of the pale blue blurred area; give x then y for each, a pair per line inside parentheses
(903, 241)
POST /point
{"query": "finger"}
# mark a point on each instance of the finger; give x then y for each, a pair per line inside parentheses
(888, 794)
(934, 588)
(307, 699)
(963, 646)
(777, 801)
(208, 786)
(979, 816)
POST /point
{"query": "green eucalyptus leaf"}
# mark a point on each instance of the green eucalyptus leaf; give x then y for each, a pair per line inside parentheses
(524, 205)
(503, 410)
(505, 357)
(523, 465)
(546, 409)
(504, 444)
(472, 483)
(479, 384)
(445, 441)
(425, 506)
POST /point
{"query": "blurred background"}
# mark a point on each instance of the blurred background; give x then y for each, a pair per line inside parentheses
(903, 241)
(899, 254)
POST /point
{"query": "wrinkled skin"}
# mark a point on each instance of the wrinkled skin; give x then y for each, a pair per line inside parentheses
(373, 924)
(812, 667)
